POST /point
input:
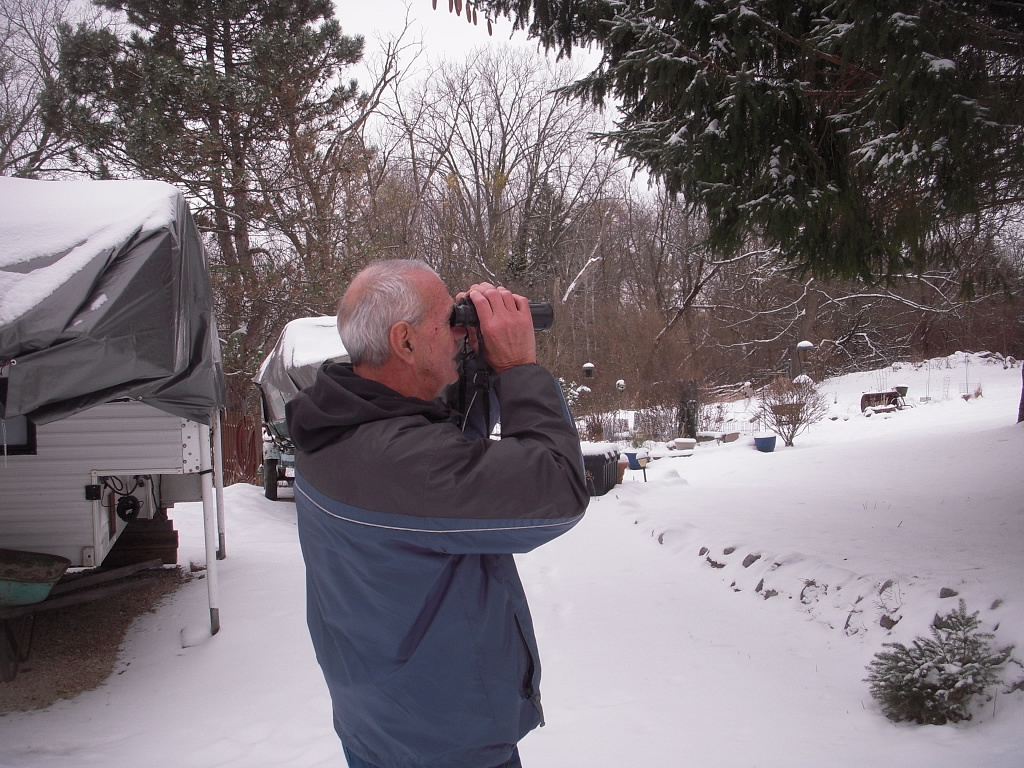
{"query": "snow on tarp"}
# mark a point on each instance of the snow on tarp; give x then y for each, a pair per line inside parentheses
(303, 346)
(104, 294)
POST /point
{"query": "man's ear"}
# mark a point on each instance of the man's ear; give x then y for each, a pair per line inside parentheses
(401, 337)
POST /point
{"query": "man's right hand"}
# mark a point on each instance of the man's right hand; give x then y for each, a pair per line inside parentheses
(506, 324)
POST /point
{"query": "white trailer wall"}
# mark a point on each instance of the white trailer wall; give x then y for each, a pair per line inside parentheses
(43, 506)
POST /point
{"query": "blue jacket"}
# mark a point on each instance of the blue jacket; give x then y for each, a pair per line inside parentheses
(407, 528)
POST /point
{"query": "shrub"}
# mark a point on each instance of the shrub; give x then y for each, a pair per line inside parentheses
(935, 679)
(790, 407)
(654, 423)
(593, 429)
(571, 393)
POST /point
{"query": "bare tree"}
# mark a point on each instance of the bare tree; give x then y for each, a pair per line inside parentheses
(757, 310)
(496, 178)
(790, 407)
(504, 165)
(1020, 408)
(29, 147)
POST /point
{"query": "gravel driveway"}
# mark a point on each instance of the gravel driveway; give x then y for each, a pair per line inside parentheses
(75, 649)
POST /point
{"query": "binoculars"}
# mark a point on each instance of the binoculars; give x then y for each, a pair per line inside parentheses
(464, 314)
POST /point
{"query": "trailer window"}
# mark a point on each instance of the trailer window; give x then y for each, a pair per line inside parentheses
(17, 433)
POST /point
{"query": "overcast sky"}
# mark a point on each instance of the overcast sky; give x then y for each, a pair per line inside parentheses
(444, 34)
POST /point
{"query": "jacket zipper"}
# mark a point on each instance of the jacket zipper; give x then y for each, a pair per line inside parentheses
(531, 694)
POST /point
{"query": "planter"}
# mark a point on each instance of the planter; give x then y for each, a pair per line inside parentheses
(682, 444)
(602, 469)
(765, 443)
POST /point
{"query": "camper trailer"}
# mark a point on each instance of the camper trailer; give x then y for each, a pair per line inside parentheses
(110, 373)
(303, 346)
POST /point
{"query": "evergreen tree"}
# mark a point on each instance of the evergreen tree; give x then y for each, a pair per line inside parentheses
(844, 132)
(201, 94)
(936, 680)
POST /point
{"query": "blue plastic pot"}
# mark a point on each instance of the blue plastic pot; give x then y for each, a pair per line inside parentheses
(765, 444)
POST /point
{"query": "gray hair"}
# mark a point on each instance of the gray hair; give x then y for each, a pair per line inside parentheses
(386, 294)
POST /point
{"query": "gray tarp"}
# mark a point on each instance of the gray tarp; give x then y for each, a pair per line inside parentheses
(304, 345)
(104, 294)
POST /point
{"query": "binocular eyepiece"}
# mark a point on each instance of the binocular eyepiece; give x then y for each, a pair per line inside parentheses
(464, 314)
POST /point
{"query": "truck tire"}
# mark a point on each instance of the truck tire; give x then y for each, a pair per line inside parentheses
(270, 478)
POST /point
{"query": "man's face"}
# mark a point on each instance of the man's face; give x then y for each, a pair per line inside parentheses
(437, 343)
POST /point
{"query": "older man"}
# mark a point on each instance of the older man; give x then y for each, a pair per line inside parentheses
(408, 524)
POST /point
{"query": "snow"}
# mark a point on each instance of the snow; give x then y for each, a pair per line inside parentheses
(49, 231)
(652, 656)
(307, 341)
(937, 64)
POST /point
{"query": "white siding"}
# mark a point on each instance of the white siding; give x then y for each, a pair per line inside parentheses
(42, 497)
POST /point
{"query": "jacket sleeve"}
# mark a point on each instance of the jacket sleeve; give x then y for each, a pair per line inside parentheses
(512, 494)
(435, 488)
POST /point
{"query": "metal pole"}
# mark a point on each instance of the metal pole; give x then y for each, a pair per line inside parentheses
(210, 525)
(218, 479)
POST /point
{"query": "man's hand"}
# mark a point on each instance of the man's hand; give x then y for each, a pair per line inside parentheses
(506, 326)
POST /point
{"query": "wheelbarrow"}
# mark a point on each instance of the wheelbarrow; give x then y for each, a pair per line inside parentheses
(17, 620)
(28, 577)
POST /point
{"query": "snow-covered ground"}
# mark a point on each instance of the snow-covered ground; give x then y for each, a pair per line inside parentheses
(652, 655)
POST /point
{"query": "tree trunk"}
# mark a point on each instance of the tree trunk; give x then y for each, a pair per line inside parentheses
(689, 407)
(1020, 408)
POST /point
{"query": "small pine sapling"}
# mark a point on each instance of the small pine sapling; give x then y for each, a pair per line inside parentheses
(935, 679)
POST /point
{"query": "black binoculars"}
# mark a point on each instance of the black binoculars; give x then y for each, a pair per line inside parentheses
(464, 314)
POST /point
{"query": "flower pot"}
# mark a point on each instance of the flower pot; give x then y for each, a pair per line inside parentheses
(765, 443)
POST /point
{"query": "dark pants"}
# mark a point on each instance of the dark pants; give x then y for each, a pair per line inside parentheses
(354, 761)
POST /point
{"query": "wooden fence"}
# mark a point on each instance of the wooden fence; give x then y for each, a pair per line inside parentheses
(242, 441)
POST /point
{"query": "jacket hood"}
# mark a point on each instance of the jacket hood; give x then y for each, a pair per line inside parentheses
(340, 400)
